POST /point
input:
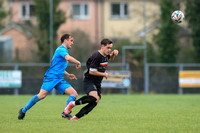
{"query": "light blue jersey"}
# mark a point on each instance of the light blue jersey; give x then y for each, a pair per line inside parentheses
(53, 78)
(58, 64)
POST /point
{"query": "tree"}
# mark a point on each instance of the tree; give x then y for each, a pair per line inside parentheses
(42, 37)
(166, 39)
(83, 45)
(151, 53)
(3, 14)
(192, 14)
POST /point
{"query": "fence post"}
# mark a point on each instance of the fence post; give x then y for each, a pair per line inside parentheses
(16, 90)
(146, 79)
(180, 90)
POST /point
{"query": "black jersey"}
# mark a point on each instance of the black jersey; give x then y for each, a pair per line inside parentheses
(99, 62)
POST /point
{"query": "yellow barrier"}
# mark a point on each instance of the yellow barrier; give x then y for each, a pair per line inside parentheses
(188, 79)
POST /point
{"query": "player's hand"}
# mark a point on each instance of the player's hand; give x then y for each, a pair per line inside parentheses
(115, 52)
(106, 75)
(78, 66)
(72, 76)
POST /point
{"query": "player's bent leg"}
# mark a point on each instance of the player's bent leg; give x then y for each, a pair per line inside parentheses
(41, 95)
(72, 97)
(85, 99)
(72, 94)
(84, 111)
(94, 94)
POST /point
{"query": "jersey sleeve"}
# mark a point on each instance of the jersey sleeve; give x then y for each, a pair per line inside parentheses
(62, 52)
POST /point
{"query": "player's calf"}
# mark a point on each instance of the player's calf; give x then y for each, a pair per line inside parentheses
(86, 109)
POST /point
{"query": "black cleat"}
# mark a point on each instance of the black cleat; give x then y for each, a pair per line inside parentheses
(68, 116)
(21, 115)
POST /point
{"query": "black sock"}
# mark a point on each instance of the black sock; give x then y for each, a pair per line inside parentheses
(86, 109)
(85, 99)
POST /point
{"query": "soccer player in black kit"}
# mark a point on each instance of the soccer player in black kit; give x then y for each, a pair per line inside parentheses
(96, 70)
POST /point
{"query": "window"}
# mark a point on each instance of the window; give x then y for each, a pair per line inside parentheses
(119, 10)
(80, 11)
(27, 11)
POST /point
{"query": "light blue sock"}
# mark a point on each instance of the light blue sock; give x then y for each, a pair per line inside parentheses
(71, 98)
(30, 103)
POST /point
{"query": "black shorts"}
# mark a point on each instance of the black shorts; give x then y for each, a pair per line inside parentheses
(91, 85)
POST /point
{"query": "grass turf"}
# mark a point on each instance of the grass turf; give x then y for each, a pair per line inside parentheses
(114, 114)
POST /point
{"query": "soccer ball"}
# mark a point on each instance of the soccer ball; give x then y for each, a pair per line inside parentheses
(177, 16)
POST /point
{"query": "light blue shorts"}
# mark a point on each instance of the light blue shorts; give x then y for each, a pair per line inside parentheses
(59, 84)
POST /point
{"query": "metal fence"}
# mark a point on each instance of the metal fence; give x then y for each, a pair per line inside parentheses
(160, 78)
(164, 78)
(33, 73)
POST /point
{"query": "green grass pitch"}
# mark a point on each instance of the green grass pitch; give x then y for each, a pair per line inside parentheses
(114, 114)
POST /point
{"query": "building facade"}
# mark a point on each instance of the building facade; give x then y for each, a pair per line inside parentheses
(115, 19)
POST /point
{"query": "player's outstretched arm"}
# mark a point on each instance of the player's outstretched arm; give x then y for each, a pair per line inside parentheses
(113, 54)
(73, 60)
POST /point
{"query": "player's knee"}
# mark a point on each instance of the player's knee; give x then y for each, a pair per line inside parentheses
(71, 92)
(97, 100)
(75, 94)
(41, 96)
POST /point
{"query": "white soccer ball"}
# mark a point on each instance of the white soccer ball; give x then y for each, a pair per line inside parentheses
(177, 16)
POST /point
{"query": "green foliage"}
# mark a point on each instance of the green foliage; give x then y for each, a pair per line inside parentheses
(3, 14)
(188, 55)
(42, 13)
(166, 39)
(118, 44)
(151, 53)
(113, 114)
(83, 47)
(134, 56)
(193, 17)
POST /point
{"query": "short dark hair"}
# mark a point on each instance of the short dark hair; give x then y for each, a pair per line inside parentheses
(65, 36)
(106, 41)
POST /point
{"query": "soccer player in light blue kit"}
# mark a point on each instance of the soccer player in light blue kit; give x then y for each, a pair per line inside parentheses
(53, 78)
